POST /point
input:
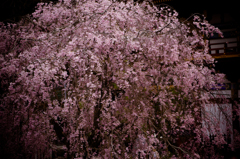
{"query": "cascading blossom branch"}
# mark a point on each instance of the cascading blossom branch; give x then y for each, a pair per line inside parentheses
(102, 77)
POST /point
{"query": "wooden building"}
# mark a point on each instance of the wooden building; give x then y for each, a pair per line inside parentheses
(226, 51)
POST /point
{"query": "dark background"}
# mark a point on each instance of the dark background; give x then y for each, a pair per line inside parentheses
(12, 10)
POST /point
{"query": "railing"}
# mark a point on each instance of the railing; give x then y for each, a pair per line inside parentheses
(226, 46)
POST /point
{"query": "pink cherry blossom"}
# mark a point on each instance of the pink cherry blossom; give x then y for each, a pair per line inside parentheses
(109, 80)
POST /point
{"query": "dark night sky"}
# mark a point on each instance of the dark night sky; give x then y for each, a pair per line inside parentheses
(11, 10)
(15, 8)
(188, 7)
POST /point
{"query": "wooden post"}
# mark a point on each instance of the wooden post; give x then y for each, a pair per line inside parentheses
(225, 48)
